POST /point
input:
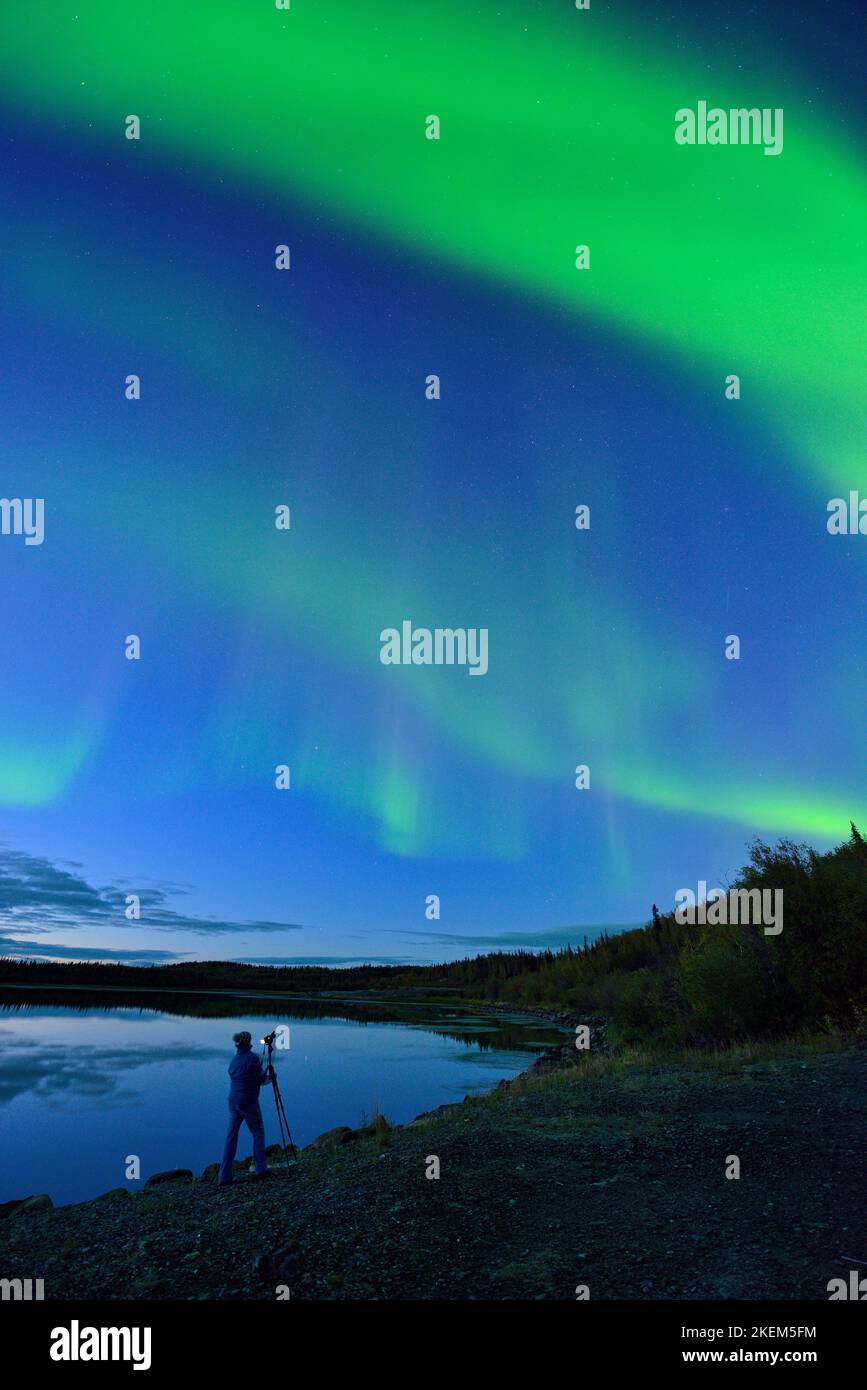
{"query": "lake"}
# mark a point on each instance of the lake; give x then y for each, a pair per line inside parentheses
(88, 1079)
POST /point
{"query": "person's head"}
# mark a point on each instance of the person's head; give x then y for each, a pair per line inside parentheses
(242, 1040)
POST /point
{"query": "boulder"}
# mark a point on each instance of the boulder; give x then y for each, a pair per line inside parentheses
(115, 1194)
(440, 1110)
(170, 1175)
(7, 1208)
(332, 1138)
(209, 1174)
(41, 1203)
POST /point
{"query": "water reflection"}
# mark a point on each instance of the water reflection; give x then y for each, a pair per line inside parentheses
(84, 1083)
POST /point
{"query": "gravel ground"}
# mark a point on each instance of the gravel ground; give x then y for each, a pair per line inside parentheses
(613, 1180)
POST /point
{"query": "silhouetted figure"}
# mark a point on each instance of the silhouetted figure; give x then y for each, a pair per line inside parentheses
(247, 1076)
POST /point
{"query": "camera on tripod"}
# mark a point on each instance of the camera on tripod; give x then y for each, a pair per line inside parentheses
(286, 1141)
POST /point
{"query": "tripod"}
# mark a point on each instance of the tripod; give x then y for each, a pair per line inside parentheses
(286, 1140)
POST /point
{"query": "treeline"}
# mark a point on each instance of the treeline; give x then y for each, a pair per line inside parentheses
(685, 984)
(453, 977)
(666, 982)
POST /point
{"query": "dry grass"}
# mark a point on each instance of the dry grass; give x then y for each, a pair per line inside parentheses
(632, 1065)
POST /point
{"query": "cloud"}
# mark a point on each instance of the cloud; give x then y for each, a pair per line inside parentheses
(29, 883)
(553, 940)
(28, 950)
(38, 896)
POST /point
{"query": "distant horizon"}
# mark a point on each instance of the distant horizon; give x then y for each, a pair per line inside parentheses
(60, 953)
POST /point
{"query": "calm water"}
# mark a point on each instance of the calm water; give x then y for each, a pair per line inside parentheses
(83, 1085)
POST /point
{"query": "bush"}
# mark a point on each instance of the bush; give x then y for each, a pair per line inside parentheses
(728, 987)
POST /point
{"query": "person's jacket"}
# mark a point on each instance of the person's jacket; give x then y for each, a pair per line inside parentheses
(246, 1075)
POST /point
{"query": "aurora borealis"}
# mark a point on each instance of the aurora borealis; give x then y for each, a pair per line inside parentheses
(559, 387)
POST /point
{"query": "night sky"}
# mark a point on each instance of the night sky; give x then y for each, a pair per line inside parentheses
(306, 388)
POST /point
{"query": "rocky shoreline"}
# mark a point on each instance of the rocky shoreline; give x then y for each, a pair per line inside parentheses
(610, 1176)
(551, 1058)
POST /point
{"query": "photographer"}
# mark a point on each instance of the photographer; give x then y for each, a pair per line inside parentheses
(247, 1077)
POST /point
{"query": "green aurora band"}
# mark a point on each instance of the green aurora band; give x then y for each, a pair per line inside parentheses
(719, 260)
(727, 259)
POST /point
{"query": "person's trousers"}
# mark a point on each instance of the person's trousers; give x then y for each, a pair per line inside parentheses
(240, 1112)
